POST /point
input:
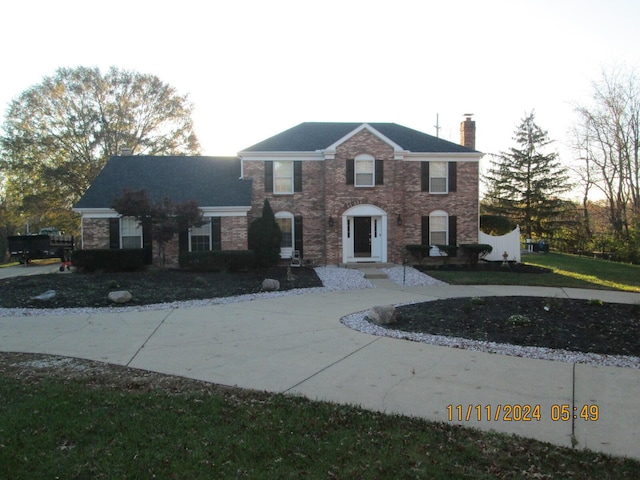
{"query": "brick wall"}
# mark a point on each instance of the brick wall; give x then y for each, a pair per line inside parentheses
(325, 195)
(463, 203)
(309, 204)
(95, 233)
(340, 196)
(234, 233)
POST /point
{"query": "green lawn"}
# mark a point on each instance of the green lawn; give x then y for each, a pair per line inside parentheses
(597, 272)
(76, 429)
(568, 271)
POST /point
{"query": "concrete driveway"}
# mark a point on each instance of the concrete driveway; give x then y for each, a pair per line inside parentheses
(30, 269)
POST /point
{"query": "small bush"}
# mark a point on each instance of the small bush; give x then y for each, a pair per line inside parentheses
(594, 302)
(217, 260)
(419, 252)
(475, 251)
(108, 260)
(449, 250)
(519, 320)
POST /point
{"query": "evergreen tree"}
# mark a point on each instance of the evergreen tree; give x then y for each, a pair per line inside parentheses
(265, 237)
(524, 183)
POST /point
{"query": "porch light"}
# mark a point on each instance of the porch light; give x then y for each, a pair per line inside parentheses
(399, 220)
(330, 222)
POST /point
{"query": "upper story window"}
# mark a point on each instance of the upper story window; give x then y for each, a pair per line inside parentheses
(364, 171)
(438, 177)
(282, 177)
(131, 233)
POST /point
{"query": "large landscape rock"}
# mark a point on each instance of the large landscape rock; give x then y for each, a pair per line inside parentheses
(120, 296)
(45, 296)
(270, 285)
(382, 314)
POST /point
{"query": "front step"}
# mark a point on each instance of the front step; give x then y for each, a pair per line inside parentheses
(366, 265)
(373, 273)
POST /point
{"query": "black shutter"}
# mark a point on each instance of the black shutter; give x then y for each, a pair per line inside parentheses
(425, 231)
(350, 171)
(379, 172)
(216, 233)
(453, 176)
(147, 242)
(114, 233)
(424, 176)
(268, 177)
(297, 176)
(183, 241)
(453, 231)
(297, 234)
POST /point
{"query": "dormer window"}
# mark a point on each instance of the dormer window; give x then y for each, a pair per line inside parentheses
(364, 171)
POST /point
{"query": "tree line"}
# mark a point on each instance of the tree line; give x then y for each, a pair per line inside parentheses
(57, 136)
(527, 184)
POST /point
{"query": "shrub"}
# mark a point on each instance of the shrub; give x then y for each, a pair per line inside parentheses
(475, 251)
(108, 260)
(419, 252)
(265, 237)
(217, 260)
(448, 250)
(519, 320)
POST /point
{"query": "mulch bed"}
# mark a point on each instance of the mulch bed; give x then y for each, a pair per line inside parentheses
(510, 267)
(575, 325)
(146, 287)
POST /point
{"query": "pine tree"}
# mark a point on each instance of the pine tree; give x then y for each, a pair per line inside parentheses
(525, 183)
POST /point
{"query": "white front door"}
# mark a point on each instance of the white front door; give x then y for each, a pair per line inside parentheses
(364, 234)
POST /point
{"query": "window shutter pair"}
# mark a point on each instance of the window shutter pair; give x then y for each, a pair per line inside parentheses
(350, 172)
(297, 176)
(453, 230)
(452, 171)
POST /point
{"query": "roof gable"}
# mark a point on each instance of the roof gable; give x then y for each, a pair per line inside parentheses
(210, 181)
(321, 136)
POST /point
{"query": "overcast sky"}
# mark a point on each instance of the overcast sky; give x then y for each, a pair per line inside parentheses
(255, 68)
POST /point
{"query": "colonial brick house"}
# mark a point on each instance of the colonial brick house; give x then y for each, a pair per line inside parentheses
(341, 193)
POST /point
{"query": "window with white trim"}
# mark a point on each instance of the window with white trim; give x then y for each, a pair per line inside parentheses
(364, 167)
(130, 233)
(438, 177)
(200, 238)
(285, 222)
(282, 177)
(438, 222)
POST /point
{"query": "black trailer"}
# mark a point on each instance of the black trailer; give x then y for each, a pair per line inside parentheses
(25, 248)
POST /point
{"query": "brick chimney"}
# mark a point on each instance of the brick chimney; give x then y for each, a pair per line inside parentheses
(468, 132)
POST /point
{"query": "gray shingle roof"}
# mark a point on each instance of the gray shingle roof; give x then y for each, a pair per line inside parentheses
(312, 136)
(211, 181)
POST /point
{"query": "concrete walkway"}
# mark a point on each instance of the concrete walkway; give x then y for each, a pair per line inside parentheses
(297, 345)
